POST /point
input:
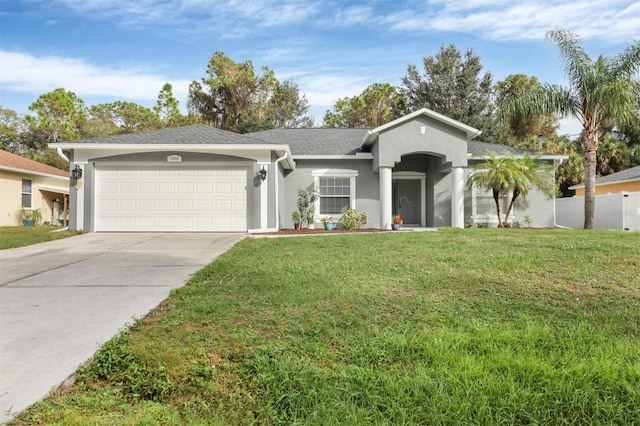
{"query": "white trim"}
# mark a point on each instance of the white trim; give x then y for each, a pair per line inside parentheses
(334, 172)
(53, 189)
(341, 173)
(358, 156)
(29, 172)
(470, 131)
(533, 155)
(423, 190)
(264, 197)
(223, 164)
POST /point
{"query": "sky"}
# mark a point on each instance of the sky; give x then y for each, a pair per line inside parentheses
(107, 50)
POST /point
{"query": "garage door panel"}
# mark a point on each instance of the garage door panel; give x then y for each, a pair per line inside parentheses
(170, 198)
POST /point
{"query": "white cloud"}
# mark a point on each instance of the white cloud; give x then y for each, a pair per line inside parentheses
(610, 20)
(26, 73)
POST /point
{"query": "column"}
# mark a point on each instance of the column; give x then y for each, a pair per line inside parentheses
(385, 197)
(264, 199)
(457, 197)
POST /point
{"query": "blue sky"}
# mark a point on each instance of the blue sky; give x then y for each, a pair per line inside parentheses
(106, 50)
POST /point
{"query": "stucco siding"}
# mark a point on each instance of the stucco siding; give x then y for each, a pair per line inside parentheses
(367, 187)
(44, 191)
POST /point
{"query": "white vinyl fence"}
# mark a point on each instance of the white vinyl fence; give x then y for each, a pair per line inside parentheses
(613, 211)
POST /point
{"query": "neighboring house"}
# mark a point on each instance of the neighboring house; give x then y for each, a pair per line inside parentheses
(625, 180)
(198, 178)
(31, 185)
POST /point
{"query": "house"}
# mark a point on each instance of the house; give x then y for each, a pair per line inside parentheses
(625, 180)
(198, 178)
(31, 185)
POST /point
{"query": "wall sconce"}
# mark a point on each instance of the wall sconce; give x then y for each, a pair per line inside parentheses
(263, 173)
(76, 173)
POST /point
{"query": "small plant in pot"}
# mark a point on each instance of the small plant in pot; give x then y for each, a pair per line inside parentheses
(296, 217)
(30, 217)
(396, 221)
(327, 221)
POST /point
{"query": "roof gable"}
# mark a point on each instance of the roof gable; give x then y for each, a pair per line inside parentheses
(12, 161)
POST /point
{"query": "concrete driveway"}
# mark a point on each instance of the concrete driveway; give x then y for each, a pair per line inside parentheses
(61, 300)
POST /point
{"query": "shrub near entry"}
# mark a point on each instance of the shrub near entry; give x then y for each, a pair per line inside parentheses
(351, 219)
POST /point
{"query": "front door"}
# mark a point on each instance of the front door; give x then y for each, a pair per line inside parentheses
(407, 200)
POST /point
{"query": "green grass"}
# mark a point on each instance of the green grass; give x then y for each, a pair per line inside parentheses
(471, 326)
(20, 236)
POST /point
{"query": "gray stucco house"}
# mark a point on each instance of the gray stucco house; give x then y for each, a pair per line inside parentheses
(201, 179)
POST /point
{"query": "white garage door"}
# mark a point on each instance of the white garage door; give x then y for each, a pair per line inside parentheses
(170, 198)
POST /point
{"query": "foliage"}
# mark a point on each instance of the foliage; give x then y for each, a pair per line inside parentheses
(612, 156)
(233, 97)
(326, 219)
(602, 93)
(397, 220)
(524, 126)
(20, 236)
(12, 129)
(351, 219)
(30, 214)
(306, 204)
(126, 117)
(59, 116)
(296, 217)
(166, 109)
(472, 326)
(451, 85)
(378, 104)
(508, 175)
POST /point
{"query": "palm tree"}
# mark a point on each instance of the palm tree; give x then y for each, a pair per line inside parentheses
(508, 175)
(601, 94)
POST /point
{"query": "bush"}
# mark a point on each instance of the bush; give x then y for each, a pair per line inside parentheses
(351, 219)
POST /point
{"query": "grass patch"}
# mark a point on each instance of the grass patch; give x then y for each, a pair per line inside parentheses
(20, 236)
(471, 326)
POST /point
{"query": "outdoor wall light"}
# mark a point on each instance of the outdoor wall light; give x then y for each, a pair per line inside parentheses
(263, 173)
(76, 173)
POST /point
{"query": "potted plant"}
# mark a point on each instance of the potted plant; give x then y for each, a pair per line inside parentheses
(296, 217)
(327, 221)
(306, 205)
(396, 221)
(30, 217)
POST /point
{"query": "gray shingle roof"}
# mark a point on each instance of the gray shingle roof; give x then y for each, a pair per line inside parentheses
(483, 148)
(629, 174)
(195, 134)
(310, 141)
(316, 141)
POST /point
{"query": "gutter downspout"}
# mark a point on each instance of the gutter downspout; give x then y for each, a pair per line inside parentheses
(277, 212)
(61, 155)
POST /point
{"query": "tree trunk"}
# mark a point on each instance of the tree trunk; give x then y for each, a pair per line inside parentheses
(496, 198)
(589, 186)
(516, 194)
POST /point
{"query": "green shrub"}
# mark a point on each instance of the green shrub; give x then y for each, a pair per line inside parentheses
(351, 219)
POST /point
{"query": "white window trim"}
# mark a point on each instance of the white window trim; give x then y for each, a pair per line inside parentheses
(25, 193)
(342, 173)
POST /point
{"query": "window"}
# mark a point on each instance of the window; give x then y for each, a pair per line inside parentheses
(335, 195)
(26, 193)
(337, 189)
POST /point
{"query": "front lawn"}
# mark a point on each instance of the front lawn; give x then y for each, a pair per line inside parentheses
(472, 326)
(19, 236)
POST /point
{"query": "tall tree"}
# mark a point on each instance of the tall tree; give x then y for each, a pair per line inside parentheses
(378, 104)
(234, 97)
(125, 117)
(601, 94)
(519, 126)
(508, 175)
(451, 85)
(59, 116)
(167, 108)
(230, 93)
(12, 130)
(287, 108)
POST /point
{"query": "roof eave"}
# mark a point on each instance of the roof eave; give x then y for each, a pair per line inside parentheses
(32, 172)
